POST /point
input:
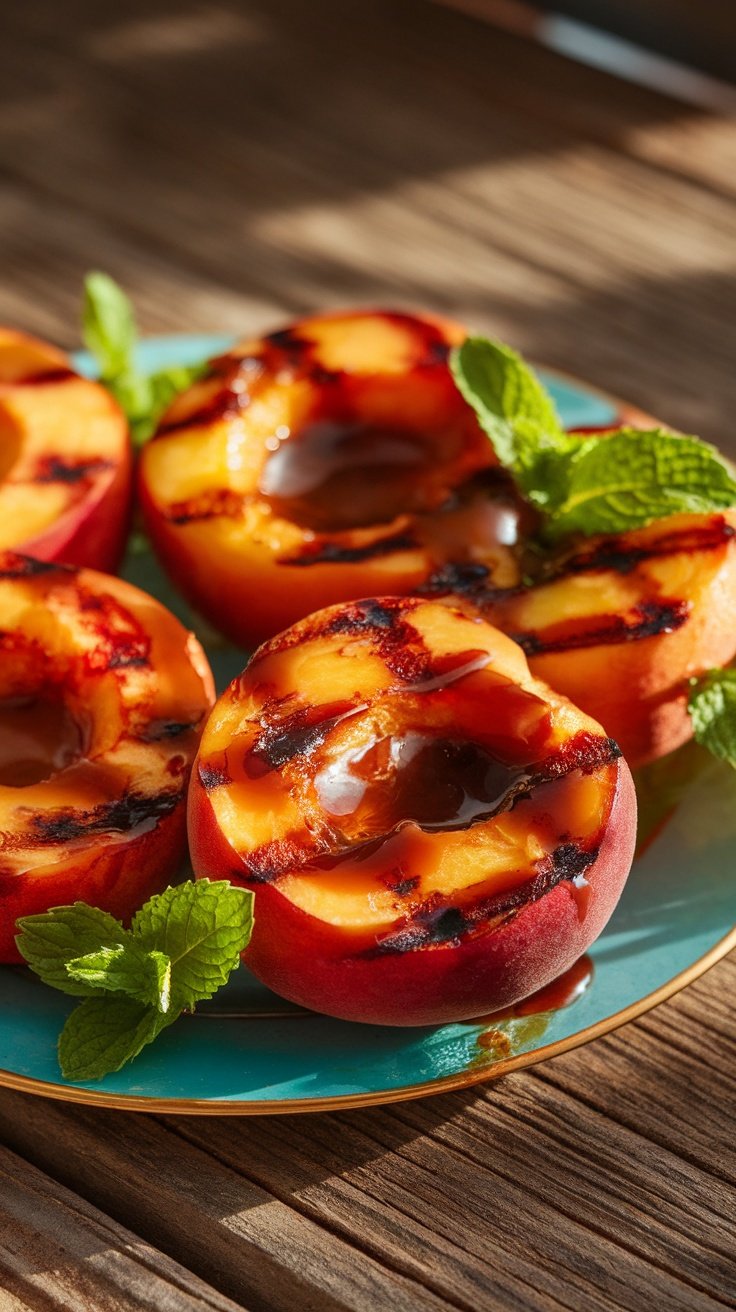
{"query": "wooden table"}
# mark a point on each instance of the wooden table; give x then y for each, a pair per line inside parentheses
(234, 164)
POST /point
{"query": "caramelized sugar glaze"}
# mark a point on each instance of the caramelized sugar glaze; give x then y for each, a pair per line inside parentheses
(65, 463)
(102, 696)
(392, 782)
(336, 459)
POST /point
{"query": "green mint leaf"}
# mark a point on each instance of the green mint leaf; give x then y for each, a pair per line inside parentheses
(517, 413)
(202, 927)
(104, 1033)
(712, 707)
(108, 325)
(110, 334)
(632, 477)
(126, 968)
(611, 484)
(182, 946)
(48, 941)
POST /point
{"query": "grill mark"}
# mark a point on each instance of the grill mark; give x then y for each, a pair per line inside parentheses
(60, 374)
(215, 503)
(55, 469)
(266, 864)
(212, 776)
(615, 554)
(362, 617)
(14, 566)
(434, 922)
(463, 578)
(121, 815)
(122, 641)
(334, 553)
(379, 618)
(652, 618)
(296, 735)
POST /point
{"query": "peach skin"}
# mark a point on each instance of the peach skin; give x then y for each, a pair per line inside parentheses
(431, 833)
(102, 697)
(65, 459)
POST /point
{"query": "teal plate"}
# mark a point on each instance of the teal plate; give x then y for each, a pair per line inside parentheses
(248, 1051)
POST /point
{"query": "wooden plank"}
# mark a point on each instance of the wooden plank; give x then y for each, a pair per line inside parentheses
(235, 1234)
(56, 1251)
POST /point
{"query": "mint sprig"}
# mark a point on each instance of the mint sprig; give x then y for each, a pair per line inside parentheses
(111, 335)
(712, 707)
(622, 480)
(182, 946)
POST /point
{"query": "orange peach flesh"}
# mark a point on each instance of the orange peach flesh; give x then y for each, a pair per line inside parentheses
(390, 775)
(65, 467)
(102, 694)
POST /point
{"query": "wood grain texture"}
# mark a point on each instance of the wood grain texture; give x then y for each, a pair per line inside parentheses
(56, 1251)
(236, 163)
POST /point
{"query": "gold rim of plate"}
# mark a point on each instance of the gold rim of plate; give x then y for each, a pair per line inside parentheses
(342, 1102)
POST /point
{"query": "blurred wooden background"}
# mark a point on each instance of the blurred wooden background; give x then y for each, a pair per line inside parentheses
(234, 164)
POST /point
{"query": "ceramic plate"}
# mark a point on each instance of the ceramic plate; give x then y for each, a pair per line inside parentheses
(247, 1051)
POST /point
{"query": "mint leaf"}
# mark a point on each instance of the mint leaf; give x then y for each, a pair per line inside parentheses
(517, 413)
(712, 707)
(608, 484)
(111, 335)
(126, 968)
(108, 325)
(51, 939)
(202, 927)
(632, 477)
(104, 1033)
(182, 946)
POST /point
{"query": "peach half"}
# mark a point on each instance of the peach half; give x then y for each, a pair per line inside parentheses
(335, 459)
(102, 697)
(619, 625)
(431, 832)
(65, 459)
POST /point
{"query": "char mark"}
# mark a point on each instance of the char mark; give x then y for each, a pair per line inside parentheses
(13, 566)
(364, 616)
(215, 503)
(55, 469)
(436, 923)
(464, 578)
(615, 554)
(266, 864)
(61, 374)
(649, 619)
(333, 553)
(212, 776)
(296, 735)
(121, 816)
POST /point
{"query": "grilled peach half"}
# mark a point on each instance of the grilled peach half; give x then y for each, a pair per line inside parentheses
(65, 460)
(102, 696)
(431, 832)
(620, 624)
(333, 460)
